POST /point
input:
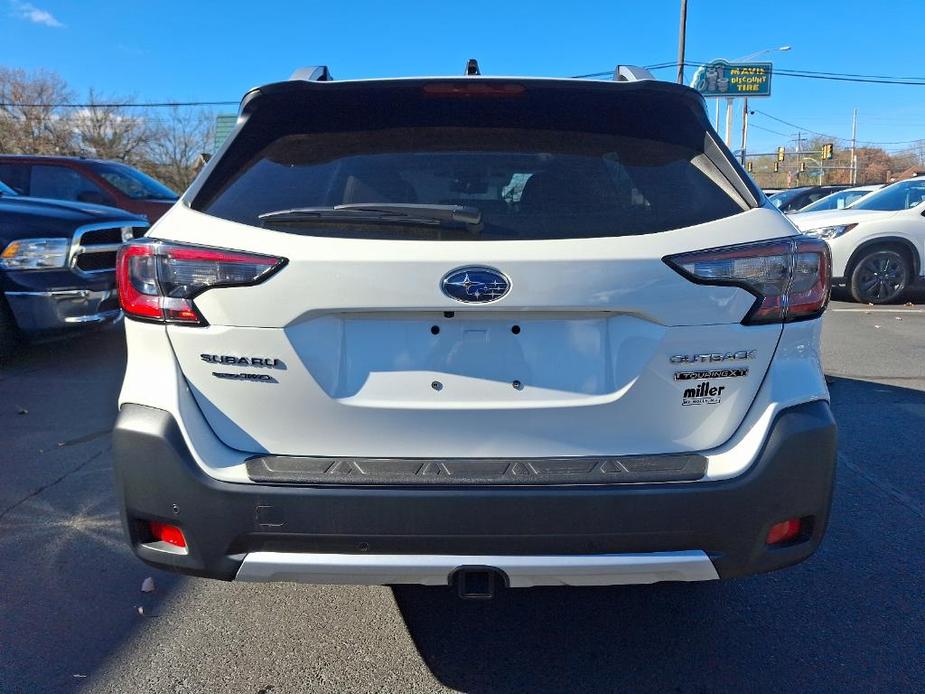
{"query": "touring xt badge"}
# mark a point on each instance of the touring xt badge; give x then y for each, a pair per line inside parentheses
(740, 355)
(710, 373)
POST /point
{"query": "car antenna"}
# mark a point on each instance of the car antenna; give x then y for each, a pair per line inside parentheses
(472, 68)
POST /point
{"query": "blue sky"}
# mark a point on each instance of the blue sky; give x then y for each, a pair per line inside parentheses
(216, 51)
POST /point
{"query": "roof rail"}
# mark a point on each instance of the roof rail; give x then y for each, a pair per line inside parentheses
(313, 73)
(631, 73)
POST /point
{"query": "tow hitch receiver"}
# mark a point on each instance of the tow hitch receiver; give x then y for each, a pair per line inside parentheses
(476, 582)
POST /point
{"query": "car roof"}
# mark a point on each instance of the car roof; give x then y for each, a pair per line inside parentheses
(57, 158)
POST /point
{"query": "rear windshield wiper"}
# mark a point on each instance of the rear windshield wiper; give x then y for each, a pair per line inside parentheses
(382, 213)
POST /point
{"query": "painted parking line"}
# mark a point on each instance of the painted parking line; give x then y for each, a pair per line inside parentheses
(872, 309)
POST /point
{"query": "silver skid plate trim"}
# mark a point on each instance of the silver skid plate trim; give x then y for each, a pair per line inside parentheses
(436, 570)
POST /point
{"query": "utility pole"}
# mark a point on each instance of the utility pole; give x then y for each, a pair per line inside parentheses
(799, 154)
(744, 127)
(682, 37)
(854, 141)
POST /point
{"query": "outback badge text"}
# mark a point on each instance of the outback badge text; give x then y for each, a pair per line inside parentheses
(740, 355)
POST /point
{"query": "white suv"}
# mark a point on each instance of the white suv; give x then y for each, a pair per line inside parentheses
(877, 243)
(465, 329)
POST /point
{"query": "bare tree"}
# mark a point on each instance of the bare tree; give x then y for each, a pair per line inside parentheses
(38, 116)
(179, 142)
(30, 118)
(110, 129)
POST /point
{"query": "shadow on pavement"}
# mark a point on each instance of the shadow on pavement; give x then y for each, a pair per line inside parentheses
(70, 588)
(845, 620)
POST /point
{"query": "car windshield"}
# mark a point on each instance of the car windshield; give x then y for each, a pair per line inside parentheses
(836, 201)
(132, 182)
(899, 196)
(785, 196)
(6, 190)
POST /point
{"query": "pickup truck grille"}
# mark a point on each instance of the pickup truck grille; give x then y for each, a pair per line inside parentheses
(94, 247)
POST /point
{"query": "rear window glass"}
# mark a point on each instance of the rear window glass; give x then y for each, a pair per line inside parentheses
(527, 183)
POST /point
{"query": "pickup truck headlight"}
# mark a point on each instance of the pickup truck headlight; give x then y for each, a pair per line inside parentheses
(35, 254)
(829, 232)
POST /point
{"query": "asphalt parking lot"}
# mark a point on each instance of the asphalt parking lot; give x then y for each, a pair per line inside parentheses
(73, 617)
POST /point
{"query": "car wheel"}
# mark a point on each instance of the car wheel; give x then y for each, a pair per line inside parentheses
(879, 277)
(9, 331)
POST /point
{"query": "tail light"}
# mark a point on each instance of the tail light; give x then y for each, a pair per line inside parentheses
(790, 278)
(158, 280)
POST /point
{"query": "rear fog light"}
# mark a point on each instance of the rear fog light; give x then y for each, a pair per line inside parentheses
(171, 534)
(785, 531)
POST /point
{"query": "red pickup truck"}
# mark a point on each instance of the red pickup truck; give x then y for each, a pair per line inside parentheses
(87, 180)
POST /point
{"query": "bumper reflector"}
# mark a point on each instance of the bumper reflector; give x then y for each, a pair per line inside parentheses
(170, 534)
(785, 531)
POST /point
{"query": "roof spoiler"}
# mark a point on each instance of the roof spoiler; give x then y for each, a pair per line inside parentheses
(320, 73)
(631, 73)
(313, 73)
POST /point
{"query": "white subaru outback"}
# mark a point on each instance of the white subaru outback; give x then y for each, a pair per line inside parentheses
(476, 331)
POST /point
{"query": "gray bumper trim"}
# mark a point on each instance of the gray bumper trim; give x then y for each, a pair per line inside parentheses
(437, 570)
(476, 471)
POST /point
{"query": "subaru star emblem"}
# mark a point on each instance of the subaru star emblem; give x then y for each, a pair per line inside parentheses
(475, 285)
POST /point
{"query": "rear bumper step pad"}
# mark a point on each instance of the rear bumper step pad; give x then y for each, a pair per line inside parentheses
(476, 471)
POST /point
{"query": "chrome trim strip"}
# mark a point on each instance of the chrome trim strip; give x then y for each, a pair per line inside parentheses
(63, 293)
(437, 570)
(101, 317)
(76, 249)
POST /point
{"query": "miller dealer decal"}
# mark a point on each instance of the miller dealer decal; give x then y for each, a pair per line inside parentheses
(704, 393)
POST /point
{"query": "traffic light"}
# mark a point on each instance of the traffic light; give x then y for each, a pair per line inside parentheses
(827, 150)
(749, 166)
(780, 154)
(802, 167)
(776, 166)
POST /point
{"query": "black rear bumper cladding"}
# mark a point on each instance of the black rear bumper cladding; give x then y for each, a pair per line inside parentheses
(729, 519)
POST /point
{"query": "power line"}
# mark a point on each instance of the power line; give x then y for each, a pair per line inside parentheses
(832, 76)
(768, 130)
(835, 137)
(134, 104)
(609, 73)
(798, 127)
(821, 73)
(807, 74)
